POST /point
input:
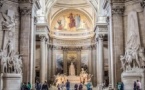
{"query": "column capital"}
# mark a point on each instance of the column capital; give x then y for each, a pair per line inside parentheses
(118, 9)
(1, 3)
(42, 38)
(25, 9)
(100, 37)
(142, 3)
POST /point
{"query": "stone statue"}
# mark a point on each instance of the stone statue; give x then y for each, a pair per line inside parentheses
(17, 64)
(4, 63)
(72, 69)
(8, 22)
(10, 46)
(84, 76)
(8, 26)
(58, 79)
(134, 54)
(11, 63)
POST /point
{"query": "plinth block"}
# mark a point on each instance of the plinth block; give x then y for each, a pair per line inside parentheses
(128, 78)
(12, 81)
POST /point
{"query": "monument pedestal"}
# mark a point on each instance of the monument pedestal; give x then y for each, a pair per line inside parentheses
(129, 77)
(12, 81)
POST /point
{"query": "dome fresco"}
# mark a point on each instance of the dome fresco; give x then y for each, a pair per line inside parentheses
(71, 20)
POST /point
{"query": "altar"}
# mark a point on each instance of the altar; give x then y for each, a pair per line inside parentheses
(74, 79)
(83, 78)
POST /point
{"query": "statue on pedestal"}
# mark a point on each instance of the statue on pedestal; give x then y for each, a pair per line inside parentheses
(72, 69)
(134, 54)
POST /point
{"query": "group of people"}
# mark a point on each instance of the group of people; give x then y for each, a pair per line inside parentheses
(137, 85)
(80, 86)
(76, 86)
(64, 85)
(38, 86)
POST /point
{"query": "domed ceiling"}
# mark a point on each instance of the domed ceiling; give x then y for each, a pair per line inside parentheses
(71, 2)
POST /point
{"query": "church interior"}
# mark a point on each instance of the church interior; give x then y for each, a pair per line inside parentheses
(101, 42)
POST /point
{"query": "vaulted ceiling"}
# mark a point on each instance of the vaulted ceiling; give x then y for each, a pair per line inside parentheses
(71, 2)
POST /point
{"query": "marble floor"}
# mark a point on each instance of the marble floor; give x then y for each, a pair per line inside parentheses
(84, 88)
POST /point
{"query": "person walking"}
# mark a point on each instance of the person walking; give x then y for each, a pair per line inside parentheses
(67, 85)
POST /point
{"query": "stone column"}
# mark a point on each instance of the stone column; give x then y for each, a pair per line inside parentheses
(43, 60)
(49, 62)
(90, 61)
(34, 63)
(79, 62)
(46, 59)
(51, 58)
(94, 65)
(25, 40)
(65, 61)
(100, 63)
(117, 39)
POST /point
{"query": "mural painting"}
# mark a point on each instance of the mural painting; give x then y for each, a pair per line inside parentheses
(59, 63)
(84, 61)
(71, 21)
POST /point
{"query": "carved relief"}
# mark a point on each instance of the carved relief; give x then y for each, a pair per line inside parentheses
(134, 54)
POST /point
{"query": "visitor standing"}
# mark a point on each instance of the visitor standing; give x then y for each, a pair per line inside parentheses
(135, 85)
(62, 86)
(122, 86)
(29, 85)
(67, 85)
(76, 86)
(44, 86)
(38, 85)
(89, 86)
(138, 85)
(58, 87)
(81, 86)
(24, 87)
